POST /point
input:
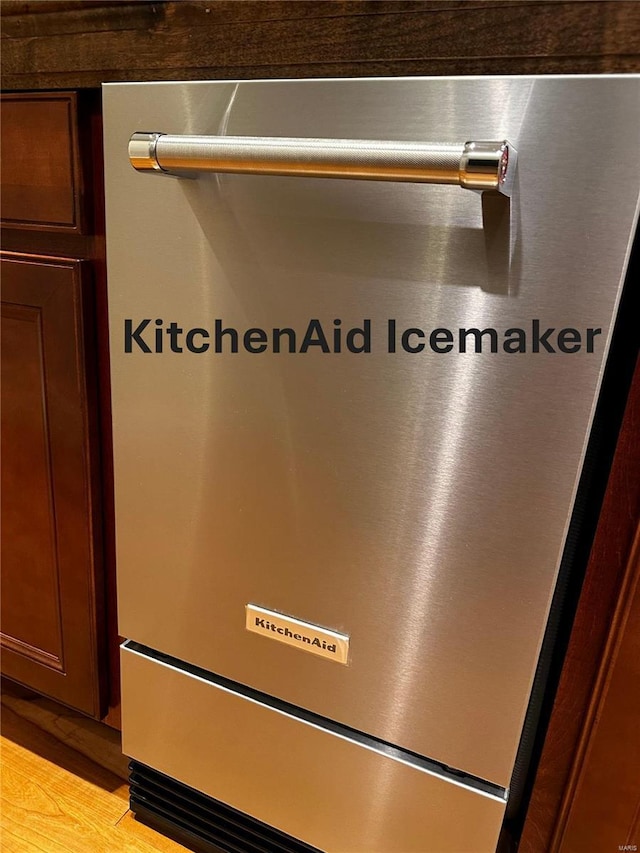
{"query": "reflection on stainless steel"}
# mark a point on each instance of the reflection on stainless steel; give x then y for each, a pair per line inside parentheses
(416, 502)
(472, 165)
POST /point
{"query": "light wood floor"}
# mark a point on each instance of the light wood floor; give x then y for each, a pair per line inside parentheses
(63, 784)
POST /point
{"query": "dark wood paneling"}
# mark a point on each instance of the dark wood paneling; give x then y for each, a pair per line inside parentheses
(87, 44)
(103, 378)
(52, 603)
(603, 582)
(41, 169)
(29, 547)
(602, 801)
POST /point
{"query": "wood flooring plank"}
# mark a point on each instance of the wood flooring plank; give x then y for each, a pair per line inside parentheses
(26, 745)
(92, 739)
(55, 800)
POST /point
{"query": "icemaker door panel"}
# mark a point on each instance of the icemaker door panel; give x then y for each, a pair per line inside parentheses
(417, 502)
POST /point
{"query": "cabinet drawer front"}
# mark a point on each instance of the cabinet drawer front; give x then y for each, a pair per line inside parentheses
(42, 185)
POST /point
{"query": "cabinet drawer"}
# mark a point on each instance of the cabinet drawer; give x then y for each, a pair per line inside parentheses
(42, 186)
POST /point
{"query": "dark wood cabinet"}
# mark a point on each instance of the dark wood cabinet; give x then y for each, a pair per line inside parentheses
(56, 625)
(51, 562)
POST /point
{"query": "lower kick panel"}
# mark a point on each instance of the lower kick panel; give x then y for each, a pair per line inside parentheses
(201, 823)
(316, 785)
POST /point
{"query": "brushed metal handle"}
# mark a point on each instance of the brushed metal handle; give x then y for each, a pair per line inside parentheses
(473, 165)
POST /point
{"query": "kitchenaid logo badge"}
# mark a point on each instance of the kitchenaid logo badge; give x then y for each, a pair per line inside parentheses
(303, 635)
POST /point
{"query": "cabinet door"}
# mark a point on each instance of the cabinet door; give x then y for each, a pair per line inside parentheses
(51, 578)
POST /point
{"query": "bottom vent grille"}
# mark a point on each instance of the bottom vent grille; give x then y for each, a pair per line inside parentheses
(199, 822)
